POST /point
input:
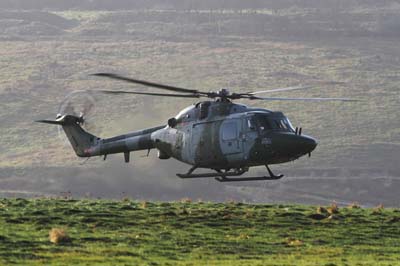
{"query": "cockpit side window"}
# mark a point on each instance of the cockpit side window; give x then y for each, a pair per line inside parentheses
(283, 124)
(278, 124)
(259, 122)
(263, 123)
(288, 125)
(251, 123)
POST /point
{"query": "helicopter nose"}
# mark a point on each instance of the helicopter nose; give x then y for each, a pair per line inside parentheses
(307, 144)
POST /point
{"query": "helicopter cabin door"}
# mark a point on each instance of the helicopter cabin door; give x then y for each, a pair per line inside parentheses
(202, 147)
(230, 142)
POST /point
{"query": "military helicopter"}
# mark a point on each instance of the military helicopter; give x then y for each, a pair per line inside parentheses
(217, 134)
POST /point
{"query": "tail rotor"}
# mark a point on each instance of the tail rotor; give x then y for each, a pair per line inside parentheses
(80, 104)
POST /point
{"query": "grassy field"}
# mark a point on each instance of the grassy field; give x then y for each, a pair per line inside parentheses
(102, 232)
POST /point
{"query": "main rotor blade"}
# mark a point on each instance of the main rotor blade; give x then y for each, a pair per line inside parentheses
(146, 83)
(279, 90)
(150, 93)
(302, 99)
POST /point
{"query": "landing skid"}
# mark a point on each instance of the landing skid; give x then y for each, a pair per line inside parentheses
(219, 173)
(225, 176)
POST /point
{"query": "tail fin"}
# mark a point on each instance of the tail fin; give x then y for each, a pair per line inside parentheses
(82, 142)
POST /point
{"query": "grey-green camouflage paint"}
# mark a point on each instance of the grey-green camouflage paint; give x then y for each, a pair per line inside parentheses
(209, 134)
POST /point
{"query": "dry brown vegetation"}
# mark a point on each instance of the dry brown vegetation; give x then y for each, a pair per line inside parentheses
(321, 210)
(354, 205)
(333, 209)
(143, 204)
(58, 236)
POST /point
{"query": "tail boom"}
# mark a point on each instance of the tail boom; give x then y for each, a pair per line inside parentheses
(88, 145)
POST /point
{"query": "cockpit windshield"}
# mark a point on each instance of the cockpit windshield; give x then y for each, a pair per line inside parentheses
(265, 123)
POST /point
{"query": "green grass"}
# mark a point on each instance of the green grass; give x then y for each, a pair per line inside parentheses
(126, 232)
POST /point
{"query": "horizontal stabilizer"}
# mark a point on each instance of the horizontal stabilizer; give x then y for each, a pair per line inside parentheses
(53, 122)
(83, 143)
(63, 120)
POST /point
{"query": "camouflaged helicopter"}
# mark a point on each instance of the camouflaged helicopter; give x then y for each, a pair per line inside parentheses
(220, 135)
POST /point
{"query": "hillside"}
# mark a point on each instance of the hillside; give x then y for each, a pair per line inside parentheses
(100, 232)
(344, 49)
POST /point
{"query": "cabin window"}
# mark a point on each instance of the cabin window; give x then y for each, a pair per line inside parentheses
(229, 131)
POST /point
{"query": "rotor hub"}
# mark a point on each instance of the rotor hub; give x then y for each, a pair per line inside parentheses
(223, 93)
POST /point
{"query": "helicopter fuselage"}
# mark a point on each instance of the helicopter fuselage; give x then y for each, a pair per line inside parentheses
(218, 135)
(224, 135)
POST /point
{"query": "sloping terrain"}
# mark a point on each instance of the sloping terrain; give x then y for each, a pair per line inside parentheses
(342, 49)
